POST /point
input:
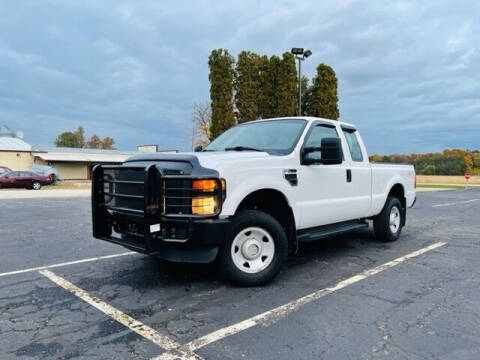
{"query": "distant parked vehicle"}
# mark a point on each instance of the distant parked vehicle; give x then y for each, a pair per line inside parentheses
(46, 170)
(24, 179)
(4, 170)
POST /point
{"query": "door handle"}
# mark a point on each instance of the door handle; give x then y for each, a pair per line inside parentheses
(349, 175)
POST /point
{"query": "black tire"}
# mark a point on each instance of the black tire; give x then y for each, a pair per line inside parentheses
(225, 263)
(36, 185)
(381, 222)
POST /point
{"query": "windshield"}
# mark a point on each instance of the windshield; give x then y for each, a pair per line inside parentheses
(276, 136)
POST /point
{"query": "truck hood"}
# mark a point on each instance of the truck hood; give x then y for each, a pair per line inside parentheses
(216, 159)
(206, 160)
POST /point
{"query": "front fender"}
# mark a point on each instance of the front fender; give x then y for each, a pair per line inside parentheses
(241, 189)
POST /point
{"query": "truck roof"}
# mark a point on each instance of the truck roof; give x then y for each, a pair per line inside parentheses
(309, 119)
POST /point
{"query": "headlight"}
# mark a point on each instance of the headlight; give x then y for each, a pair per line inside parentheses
(208, 195)
(204, 205)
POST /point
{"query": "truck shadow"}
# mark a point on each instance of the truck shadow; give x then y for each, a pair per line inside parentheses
(157, 272)
(148, 273)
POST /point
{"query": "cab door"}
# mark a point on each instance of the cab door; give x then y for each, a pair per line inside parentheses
(359, 189)
(322, 188)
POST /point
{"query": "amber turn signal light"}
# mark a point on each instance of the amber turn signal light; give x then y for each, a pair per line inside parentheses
(204, 185)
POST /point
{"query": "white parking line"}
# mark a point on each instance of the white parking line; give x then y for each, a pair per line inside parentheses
(284, 310)
(124, 319)
(455, 203)
(67, 263)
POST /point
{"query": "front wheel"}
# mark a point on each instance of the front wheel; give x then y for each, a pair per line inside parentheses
(388, 224)
(255, 250)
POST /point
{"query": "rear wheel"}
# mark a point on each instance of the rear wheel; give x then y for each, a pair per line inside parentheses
(36, 185)
(388, 224)
(255, 250)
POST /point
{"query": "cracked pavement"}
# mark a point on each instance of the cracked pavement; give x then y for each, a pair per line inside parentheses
(426, 308)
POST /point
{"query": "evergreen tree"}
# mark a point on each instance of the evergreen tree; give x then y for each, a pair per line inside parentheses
(247, 86)
(80, 137)
(264, 96)
(286, 92)
(221, 75)
(270, 85)
(278, 86)
(323, 100)
(306, 95)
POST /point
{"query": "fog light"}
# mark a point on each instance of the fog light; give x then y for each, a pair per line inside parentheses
(205, 205)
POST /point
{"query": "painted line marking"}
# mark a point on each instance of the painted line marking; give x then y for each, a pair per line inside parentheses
(455, 203)
(67, 263)
(140, 328)
(284, 310)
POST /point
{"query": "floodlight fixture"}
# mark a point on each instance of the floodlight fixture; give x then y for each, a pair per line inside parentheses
(307, 53)
(297, 51)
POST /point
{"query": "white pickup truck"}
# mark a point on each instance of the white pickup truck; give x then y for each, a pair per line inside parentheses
(251, 196)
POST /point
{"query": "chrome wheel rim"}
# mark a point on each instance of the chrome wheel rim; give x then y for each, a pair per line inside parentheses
(253, 250)
(394, 219)
(36, 186)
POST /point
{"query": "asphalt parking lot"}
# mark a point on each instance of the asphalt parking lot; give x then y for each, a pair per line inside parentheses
(348, 297)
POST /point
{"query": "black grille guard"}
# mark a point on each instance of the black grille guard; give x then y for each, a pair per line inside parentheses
(153, 208)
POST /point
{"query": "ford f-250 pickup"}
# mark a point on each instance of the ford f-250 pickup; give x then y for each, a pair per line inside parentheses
(251, 196)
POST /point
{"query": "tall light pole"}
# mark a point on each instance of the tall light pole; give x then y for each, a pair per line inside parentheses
(300, 55)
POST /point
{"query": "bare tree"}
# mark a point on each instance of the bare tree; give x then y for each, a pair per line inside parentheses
(201, 120)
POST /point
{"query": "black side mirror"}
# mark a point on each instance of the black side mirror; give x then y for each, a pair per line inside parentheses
(331, 151)
(198, 148)
(305, 160)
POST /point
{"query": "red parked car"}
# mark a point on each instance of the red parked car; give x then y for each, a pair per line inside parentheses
(23, 179)
(4, 170)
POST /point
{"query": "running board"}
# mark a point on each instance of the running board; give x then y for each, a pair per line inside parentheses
(324, 231)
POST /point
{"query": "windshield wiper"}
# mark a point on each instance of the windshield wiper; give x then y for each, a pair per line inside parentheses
(242, 148)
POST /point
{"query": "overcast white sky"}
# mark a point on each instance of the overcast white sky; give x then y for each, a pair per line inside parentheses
(408, 70)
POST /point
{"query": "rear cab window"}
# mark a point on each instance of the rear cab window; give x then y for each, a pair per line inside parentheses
(353, 144)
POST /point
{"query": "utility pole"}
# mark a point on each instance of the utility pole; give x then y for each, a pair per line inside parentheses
(300, 55)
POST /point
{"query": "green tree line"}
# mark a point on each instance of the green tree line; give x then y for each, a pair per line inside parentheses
(257, 86)
(76, 139)
(449, 162)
